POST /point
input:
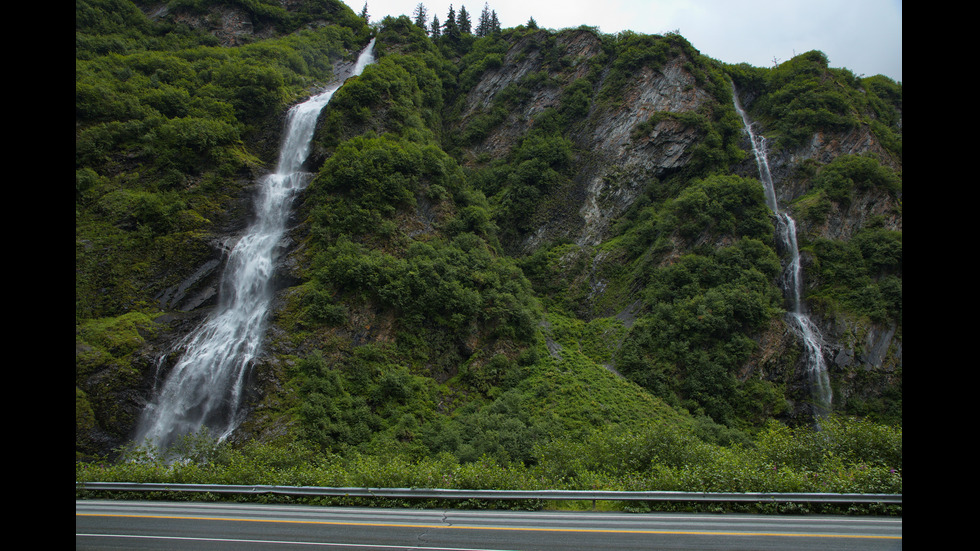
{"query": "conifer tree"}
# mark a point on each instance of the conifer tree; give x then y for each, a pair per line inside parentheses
(436, 31)
(463, 21)
(449, 28)
(364, 14)
(483, 24)
(421, 15)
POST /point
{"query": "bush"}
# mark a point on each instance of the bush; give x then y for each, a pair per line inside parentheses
(447, 285)
(804, 95)
(848, 175)
(863, 275)
(702, 310)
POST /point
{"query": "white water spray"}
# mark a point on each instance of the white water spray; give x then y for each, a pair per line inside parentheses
(792, 278)
(204, 389)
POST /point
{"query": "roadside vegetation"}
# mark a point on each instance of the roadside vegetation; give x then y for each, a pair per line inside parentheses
(848, 456)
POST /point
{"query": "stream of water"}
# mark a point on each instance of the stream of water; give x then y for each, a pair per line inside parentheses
(205, 387)
(792, 277)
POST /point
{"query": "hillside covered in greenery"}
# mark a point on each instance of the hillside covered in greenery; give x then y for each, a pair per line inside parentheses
(526, 258)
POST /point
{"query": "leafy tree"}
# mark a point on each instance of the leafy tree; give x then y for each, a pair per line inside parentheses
(804, 95)
(703, 309)
(848, 175)
(862, 276)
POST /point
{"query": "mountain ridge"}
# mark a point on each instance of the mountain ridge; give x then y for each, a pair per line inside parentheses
(446, 286)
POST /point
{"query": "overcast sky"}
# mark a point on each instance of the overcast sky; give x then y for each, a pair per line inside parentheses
(864, 36)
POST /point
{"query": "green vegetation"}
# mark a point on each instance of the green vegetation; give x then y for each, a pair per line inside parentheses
(861, 276)
(630, 52)
(849, 456)
(804, 95)
(414, 345)
(167, 125)
(703, 310)
(169, 128)
(540, 163)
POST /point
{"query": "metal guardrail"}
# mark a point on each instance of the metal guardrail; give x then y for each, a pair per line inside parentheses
(432, 493)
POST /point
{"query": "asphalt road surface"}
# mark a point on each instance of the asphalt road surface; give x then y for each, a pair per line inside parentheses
(138, 525)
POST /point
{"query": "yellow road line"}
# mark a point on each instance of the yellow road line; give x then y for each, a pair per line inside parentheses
(506, 528)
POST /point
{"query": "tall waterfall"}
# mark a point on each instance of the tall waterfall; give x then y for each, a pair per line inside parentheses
(205, 387)
(792, 278)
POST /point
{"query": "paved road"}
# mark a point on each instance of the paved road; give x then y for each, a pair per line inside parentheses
(252, 527)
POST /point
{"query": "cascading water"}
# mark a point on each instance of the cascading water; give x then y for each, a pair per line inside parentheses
(792, 278)
(204, 389)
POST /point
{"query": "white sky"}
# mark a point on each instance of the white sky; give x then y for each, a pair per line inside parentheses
(864, 36)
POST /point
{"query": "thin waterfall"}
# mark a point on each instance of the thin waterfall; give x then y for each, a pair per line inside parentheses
(792, 277)
(205, 387)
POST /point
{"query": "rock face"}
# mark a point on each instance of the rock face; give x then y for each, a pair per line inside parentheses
(623, 146)
(231, 25)
(613, 165)
(525, 58)
(864, 358)
(620, 147)
(622, 163)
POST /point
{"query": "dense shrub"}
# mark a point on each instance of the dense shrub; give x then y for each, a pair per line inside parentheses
(467, 383)
(804, 95)
(399, 94)
(848, 175)
(702, 310)
(863, 276)
(539, 164)
(162, 118)
(661, 457)
(631, 52)
(443, 284)
(722, 205)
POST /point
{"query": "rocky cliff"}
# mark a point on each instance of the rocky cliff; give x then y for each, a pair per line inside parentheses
(533, 188)
(646, 137)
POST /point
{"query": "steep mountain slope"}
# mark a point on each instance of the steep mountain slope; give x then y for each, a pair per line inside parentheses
(510, 240)
(172, 131)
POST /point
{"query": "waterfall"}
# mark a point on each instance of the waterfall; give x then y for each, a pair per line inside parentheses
(792, 278)
(205, 387)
